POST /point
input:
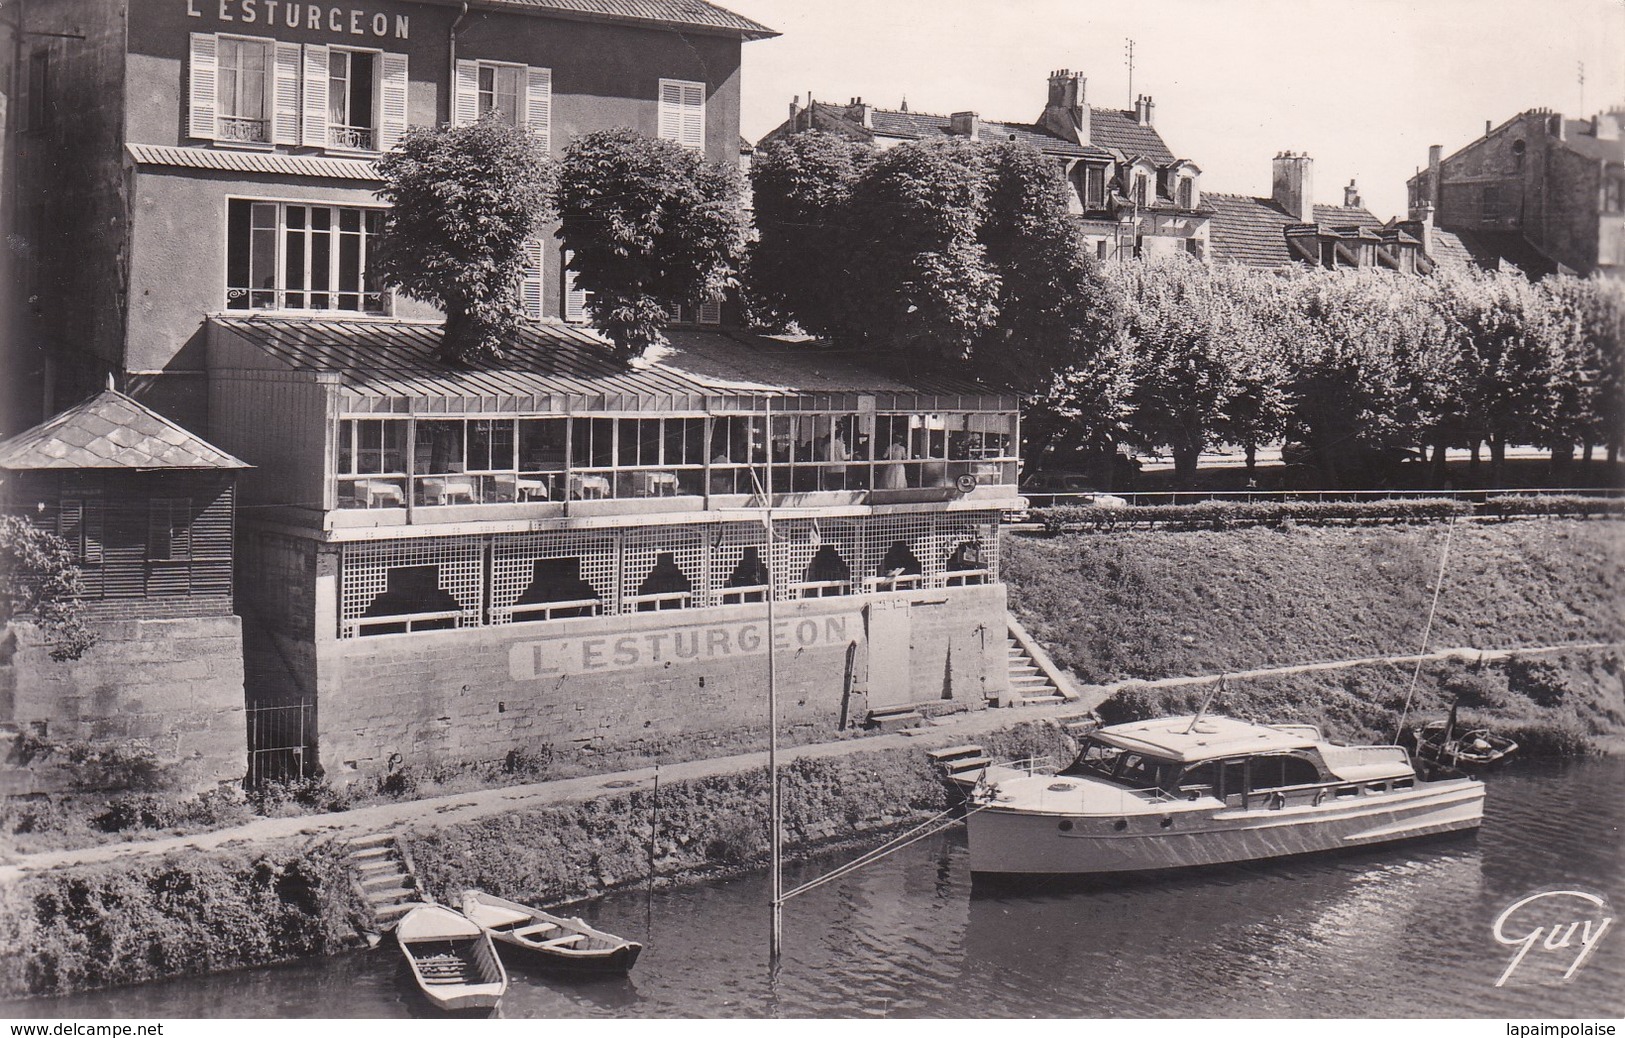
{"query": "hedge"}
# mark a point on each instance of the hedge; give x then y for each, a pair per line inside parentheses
(1576, 505)
(1224, 514)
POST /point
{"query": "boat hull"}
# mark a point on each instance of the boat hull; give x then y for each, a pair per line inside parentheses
(1009, 841)
(614, 960)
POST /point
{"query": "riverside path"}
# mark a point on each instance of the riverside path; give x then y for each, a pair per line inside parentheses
(471, 806)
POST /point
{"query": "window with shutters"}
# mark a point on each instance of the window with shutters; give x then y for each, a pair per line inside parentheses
(243, 90)
(169, 529)
(352, 117)
(79, 523)
(285, 256)
(1094, 187)
(519, 95)
(575, 299)
(530, 282)
(706, 312)
(1187, 193)
(682, 113)
(1141, 182)
(501, 88)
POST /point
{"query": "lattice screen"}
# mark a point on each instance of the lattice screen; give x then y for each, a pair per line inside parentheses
(729, 543)
(365, 574)
(798, 540)
(980, 528)
(920, 531)
(514, 557)
(642, 551)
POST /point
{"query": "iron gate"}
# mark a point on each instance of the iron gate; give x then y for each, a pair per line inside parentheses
(281, 740)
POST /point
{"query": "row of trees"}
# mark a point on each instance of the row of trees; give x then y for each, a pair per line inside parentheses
(962, 254)
(1360, 366)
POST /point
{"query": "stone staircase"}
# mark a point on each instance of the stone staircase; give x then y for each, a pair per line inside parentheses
(382, 872)
(1030, 685)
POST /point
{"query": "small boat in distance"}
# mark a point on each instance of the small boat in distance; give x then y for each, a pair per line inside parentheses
(551, 940)
(1176, 792)
(1445, 744)
(452, 959)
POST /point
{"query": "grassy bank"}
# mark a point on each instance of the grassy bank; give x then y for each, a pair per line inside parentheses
(1151, 604)
(191, 913)
(698, 828)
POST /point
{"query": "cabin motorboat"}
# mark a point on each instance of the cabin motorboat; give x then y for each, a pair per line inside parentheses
(452, 959)
(1176, 792)
(550, 940)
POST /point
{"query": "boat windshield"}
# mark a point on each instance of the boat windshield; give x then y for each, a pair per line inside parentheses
(1124, 767)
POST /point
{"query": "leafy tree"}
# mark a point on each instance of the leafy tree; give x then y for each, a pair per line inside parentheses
(463, 201)
(1510, 348)
(916, 274)
(1182, 334)
(1350, 387)
(1055, 311)
(39, 581)
(1256, 413)
(649, 224)
(801, 186)
(1591, 399)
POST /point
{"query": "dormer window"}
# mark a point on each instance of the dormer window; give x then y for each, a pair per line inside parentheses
(1187, 193)
(1094, 187)
(1141, 187)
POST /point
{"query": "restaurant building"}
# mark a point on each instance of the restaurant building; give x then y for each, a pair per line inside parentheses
(441, 563)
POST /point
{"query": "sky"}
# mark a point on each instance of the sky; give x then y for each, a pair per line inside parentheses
(1362, 86)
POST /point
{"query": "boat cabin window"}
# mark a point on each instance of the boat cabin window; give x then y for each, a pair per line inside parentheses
(1274, 770)
(1135, 770)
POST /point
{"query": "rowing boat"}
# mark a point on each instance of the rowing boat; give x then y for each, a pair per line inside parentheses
(452, 959)
(550, 940)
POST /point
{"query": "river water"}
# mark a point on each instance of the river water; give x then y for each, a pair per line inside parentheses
(1404, 931)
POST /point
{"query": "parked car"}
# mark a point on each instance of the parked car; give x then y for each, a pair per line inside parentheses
(1042, 489)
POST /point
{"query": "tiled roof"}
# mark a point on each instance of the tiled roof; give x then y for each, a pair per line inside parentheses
(253, 162)
(111, 431)
(1578, 137)
(1246, 230)
(1490, 250)
(1345, 216)
(1117, 130)
(696, 15)
(923, 124)
(399, 359)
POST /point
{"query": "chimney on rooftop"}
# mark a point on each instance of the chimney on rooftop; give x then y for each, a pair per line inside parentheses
(1489, 125)
(795, 108)
(1292, 185)
(1351, 196)
(1143, 106)
(860, 113)
(965, 124)
(1066, 113)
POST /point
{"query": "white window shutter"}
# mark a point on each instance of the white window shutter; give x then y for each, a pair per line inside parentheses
(392, 89)
(465, 107)
(575, 299)
(93, 532)
(313, 131)
(693, 133)
(671, 110)
(202, 84)
(539, 105)
(285, 96)
(530, 285)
